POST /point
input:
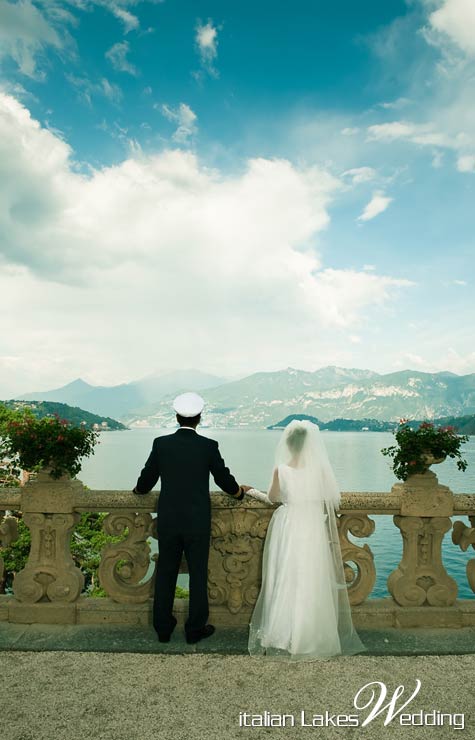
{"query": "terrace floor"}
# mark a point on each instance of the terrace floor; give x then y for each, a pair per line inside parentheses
(110, 638)
(113, 682)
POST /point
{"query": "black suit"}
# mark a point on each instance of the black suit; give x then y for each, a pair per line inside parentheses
(183, 462)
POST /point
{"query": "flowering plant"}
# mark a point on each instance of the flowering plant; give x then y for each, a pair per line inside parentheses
(418, 448)
(48, 442)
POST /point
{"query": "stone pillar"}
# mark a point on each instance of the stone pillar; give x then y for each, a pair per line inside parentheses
(48, 511)
(421, 578)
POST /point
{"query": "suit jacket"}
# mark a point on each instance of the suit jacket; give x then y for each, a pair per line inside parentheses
(183, 462)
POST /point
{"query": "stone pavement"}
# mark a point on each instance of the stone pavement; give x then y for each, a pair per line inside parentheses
(118, 683)
(111, 638)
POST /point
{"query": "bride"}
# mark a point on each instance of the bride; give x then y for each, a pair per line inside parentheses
(302, 612)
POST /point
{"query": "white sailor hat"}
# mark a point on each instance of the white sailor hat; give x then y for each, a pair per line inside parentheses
(188, 405)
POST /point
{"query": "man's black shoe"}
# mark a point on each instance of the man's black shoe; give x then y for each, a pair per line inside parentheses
(165, 636)
(196, 635)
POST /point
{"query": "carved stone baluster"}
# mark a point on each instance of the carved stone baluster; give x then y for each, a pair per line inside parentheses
(464, 536)
(48, 511)
(361, 581)
(50, 570)
(237, 539)
(8, 534)
(121, 580)
(420, 577)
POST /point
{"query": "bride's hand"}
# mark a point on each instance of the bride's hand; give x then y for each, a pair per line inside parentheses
(259, 495)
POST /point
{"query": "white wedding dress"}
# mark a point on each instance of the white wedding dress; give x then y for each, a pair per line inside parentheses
(303, 611)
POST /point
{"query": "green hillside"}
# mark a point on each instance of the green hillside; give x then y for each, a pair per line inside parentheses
(73, 414)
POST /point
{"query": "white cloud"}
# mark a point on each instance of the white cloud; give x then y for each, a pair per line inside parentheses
(460, 282)
(360, 174)
(395, 104)
(186, 120)
(217, 270)
(450, 360)
(130, 21)
(29, 30)
(343, 294)
(206, 39)
(350, 131)
(25, 35)
(437, 136)
(438, 80)
(456, 19)
(87, 89)
(117, 56)
(466, 163)
(378, 203)
(437, 159)
(418, 133)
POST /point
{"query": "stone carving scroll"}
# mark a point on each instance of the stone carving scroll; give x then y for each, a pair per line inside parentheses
(362, 577)
(50, 572)
(237, 539)
(464, 536)
(8, 534)
(124, 564)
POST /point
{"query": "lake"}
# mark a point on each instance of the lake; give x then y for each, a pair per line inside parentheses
(356, 459)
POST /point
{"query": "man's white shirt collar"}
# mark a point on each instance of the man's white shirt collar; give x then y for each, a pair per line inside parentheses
(183, 427)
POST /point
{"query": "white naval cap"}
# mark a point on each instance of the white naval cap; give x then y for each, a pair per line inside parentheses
(188, 405)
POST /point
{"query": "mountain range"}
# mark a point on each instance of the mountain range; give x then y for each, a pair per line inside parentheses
(119, 400)
(265, 398)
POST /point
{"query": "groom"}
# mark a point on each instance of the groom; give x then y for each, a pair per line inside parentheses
(183, 461)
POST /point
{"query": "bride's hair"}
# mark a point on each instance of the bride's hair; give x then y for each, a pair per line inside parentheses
(296, 439)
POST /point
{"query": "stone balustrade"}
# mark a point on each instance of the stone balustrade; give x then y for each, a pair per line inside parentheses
(49, 588)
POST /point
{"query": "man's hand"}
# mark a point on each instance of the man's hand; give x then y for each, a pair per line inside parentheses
(246, 488)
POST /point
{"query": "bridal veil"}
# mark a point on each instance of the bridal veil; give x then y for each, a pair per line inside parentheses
(303, 610)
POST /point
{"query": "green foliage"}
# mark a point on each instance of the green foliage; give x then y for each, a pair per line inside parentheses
(413, 445)
(34, 443)
(9, 470)
(181, 593)
(15, 555)
(88, 540)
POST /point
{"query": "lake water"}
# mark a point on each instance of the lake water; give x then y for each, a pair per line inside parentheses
(356, 459)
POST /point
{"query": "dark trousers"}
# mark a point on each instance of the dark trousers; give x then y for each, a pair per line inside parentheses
(171, 546)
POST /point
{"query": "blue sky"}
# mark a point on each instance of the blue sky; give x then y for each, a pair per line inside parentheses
(235, 186)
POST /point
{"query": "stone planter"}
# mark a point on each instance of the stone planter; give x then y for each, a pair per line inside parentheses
(429, 459)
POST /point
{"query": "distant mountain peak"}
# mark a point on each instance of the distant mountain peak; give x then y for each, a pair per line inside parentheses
(78, 383)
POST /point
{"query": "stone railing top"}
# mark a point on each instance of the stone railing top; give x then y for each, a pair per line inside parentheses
(107, 500)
